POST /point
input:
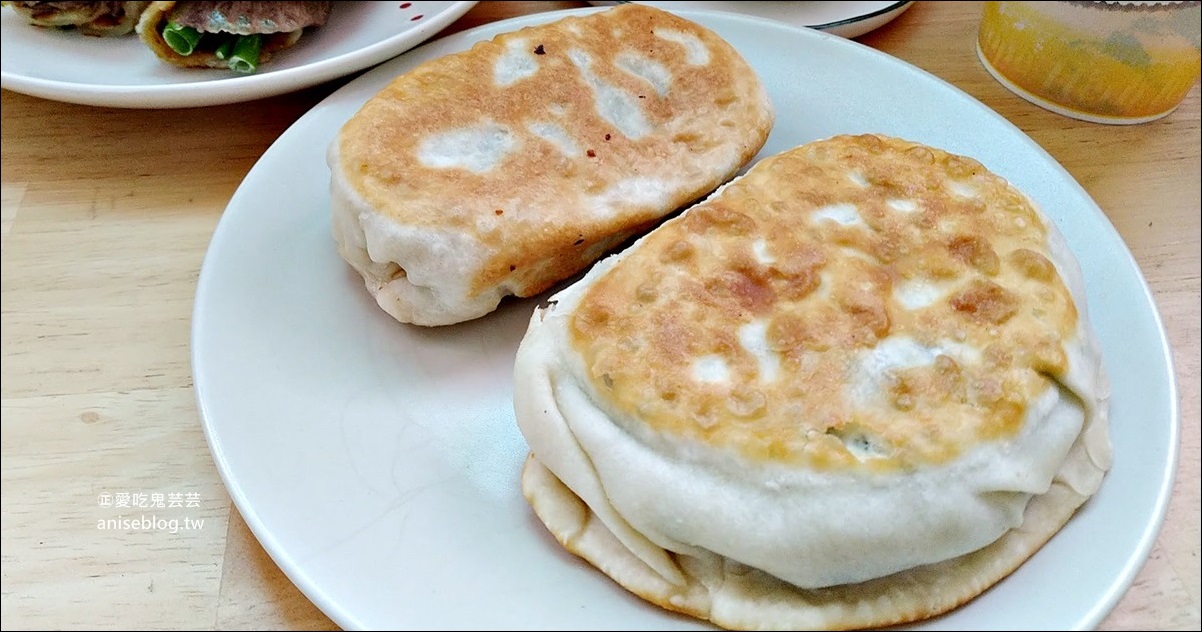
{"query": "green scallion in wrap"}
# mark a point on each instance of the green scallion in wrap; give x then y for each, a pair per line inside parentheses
(246, 53)
(182, 39)
(241, 51)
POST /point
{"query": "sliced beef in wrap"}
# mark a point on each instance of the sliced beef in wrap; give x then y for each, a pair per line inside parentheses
(234, 35)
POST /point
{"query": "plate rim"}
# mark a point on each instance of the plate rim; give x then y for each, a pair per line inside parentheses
(894, 6)
(227, 90)
(1118, 586)
(898, 5)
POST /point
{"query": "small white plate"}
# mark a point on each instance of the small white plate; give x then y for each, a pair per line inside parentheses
(378, 463)
(845, 19)
(123, 72)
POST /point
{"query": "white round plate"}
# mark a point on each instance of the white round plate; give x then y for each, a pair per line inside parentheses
(845, 19)
(122, 72)
(378, 462)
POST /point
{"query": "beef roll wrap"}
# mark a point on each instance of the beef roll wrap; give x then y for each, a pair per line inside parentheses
(89, 18)
(235, 35)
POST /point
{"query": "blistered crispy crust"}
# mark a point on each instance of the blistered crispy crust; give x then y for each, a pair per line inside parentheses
(937, 288)
(861, 302)
(541, 150)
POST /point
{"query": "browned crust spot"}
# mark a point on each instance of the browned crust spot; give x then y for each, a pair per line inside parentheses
(817, 246)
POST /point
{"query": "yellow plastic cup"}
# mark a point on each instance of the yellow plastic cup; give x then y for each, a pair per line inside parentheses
(1106, 62)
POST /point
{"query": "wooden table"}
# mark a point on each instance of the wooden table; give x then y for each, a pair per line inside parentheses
(104, 228)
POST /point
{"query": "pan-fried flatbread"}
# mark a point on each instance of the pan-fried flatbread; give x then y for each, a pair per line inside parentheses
(856, 387)
(506, 168)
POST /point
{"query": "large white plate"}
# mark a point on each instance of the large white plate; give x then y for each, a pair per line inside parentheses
(845, 19)
(378, 463)
(122, 72)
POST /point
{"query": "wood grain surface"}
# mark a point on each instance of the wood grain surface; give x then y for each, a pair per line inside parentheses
(106, 217)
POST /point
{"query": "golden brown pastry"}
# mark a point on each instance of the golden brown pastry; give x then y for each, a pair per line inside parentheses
(508, 167)
(855, 387)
